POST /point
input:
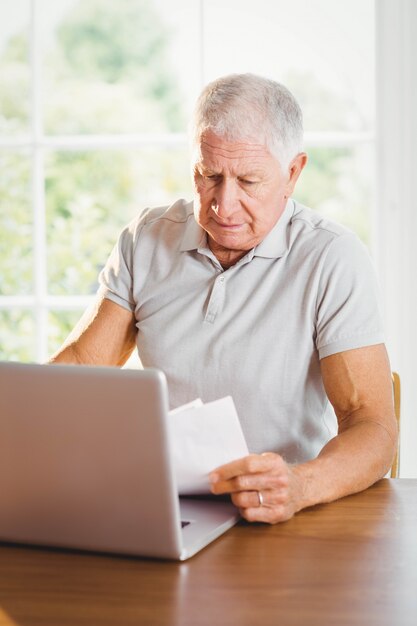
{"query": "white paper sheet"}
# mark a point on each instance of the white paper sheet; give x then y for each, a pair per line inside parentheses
(203, 437)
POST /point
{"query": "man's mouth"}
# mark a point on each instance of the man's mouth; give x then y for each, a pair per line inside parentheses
(228, 226)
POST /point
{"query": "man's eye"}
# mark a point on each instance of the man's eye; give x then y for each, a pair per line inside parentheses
(212, 176)
(247, 182)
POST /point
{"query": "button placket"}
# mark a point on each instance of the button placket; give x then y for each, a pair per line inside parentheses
(216, 300)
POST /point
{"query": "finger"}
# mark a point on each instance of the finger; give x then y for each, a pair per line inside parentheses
(258, 514)
(252, 499)
(251, 464)
(252, 483)
(248, 499)
(269, 515)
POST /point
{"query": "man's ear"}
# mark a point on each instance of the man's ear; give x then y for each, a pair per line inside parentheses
(294, 170)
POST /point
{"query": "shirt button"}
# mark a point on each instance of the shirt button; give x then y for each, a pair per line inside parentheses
(222, 279)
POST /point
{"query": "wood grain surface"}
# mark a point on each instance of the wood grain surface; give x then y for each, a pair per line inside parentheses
(350, 562)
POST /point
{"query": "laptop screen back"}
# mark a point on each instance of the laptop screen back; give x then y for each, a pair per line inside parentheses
(85, 459)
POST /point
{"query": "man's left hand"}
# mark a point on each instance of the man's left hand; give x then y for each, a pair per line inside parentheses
(262, 486)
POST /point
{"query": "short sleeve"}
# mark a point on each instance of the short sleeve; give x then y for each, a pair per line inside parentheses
(348, 314)
(116, 278)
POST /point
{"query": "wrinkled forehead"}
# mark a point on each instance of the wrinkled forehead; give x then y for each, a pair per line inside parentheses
(213, 148)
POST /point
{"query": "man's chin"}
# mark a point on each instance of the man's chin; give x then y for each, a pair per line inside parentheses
(229, 241)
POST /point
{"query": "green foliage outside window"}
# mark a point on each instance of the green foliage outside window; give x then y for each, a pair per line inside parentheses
(17, 335)
(113, 72)
(15, 225)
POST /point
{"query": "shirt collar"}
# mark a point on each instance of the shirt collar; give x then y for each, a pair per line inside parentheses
(273, 246)
(194, 236)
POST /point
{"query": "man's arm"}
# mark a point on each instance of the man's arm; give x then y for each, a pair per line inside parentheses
(358, 384)
(105, 335)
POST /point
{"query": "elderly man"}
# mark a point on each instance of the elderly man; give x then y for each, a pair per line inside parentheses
(245, 292)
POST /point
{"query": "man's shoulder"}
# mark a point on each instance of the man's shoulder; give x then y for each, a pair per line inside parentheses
(313, 235)
(178, 213)
(306, 221)
(165, 224)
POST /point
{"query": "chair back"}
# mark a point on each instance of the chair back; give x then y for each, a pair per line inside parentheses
(396, 388)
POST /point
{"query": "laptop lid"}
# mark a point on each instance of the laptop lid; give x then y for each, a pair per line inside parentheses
(85, 460)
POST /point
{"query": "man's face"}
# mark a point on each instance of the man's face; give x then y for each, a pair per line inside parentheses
(240, 193)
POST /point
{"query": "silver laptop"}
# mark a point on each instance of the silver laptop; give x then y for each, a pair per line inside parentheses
(85, 463)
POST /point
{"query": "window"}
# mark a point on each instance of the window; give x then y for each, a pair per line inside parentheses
(94, 101)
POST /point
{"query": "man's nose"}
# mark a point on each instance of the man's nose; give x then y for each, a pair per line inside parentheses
(225, 201)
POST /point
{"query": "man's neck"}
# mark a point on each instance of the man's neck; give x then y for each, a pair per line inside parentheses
(226, 257)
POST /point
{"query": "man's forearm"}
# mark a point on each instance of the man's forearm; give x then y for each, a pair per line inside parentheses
(348, 463)
(66, 355)
(105, 335)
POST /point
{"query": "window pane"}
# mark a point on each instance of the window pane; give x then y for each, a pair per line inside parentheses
(60, 324)
(326, 184)
(14, 67)
(90, 196)
(114, 66)
(15, 225)
(322, 50)
(17, 336)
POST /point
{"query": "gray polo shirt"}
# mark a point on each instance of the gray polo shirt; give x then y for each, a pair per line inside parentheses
(255, 331)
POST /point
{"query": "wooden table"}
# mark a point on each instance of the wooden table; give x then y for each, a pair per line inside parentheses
(350, 562)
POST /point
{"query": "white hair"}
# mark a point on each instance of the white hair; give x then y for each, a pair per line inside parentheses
(249, 107)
